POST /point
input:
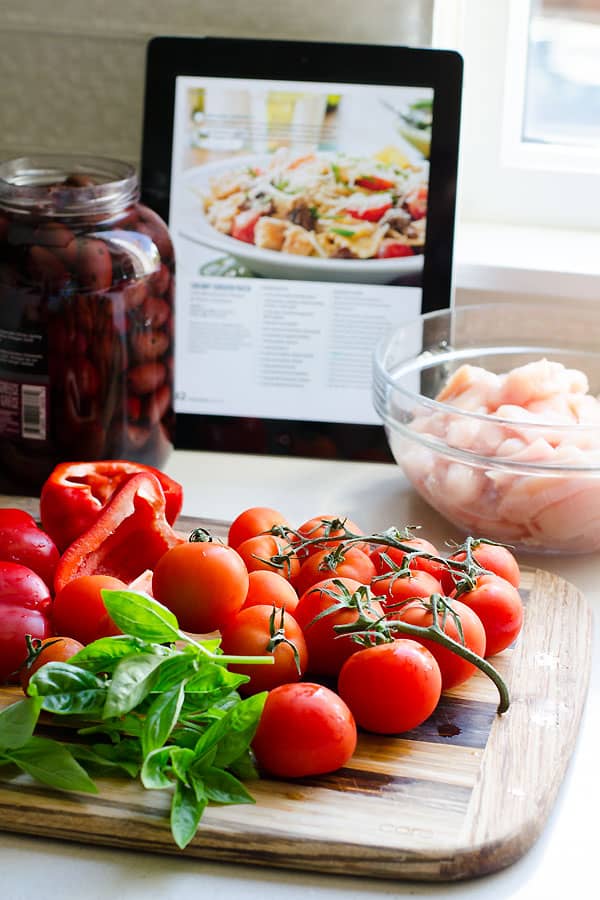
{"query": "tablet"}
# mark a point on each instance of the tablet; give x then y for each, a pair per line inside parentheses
(310, 192)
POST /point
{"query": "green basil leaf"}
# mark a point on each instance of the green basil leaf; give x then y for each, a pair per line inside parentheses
(198, 785)
(181, 760)
(186, 812)
(242, 722)
(177, 667)
(125, 755)
(214, 677)
(244, 767)
(141, 616)
(222, 787)
(104, 654)
(132, 680)
(51, 763)
(18, 721)
(155, 768)
(66, 689)
(161, 718)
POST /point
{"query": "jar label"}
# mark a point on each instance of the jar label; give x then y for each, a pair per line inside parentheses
(23, 410)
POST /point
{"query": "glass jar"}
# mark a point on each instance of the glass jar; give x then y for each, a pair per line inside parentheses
(86, 319)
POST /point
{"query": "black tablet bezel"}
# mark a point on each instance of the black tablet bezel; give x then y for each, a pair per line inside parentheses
(441, 70)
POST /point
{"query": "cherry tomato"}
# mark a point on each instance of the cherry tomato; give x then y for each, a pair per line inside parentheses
(271, 554)
(53, 649)
(327, 649)
(370, 213)
(498, 605)
(391, 249)
(248, 633)
(21, 541)
(316, 528)
(455, 670)
(253, 521)
(374, 183)
(401, 587)
(202, 582)
(418, 562)
(270, 589)
(391, 688)
(244, 225)
(79, 612)
(416, 202)
(305, 729)
(355, 564)
(495, 558)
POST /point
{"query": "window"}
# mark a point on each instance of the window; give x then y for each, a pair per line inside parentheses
(530, 142)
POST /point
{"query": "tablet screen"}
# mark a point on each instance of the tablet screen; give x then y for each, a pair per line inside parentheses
(301, 217)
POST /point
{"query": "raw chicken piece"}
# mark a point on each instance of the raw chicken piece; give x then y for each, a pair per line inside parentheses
(534, 417)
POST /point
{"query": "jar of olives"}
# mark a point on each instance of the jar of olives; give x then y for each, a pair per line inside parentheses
(86, 318)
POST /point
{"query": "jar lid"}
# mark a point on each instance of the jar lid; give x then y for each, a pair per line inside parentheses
(60, 185)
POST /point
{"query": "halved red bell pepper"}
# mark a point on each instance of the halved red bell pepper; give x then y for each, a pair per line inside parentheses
(75, 494)
(129, 536)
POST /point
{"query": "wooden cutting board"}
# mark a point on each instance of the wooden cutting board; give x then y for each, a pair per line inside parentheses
(465, 794)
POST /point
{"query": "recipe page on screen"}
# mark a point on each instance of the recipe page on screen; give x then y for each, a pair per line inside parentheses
(299, 215)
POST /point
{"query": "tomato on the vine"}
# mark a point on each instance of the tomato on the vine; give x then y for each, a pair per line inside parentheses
(396, 555)
(455, 670)
(270, 589)
(253, 521)
(305, 729)
(498, 604)
(400, 587)
(273, 554)
(327, 649)
(351, 563)
(248, 633)
(391, 688)
(52, 649)
(326, 527)
(495, 558)
(79, 612)
(202, 582)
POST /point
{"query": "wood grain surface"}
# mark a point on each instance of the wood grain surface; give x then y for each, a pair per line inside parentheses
(465, 794)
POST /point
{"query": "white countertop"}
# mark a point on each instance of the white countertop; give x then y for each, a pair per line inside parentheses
(562, 863)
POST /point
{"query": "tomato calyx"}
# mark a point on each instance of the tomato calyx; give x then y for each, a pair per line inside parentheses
(279, 561)
(34, 648)
(470, 568)
(200, 536)
(277, 637)
(364, 629)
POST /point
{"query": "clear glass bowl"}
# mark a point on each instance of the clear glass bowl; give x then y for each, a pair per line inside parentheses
(534, 485)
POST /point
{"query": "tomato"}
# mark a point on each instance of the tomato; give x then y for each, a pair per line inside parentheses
(399, 588)
(391, 688)
(21, 541)
(253, 521)
(24, 609)
(495, 558)
(330, 527)
(244, 225)
(353, 563)
(271, 554)
(370, 213)
(305, 729)
(455, 670)
(391, 249)
(248, 633)
(53, 649)
(436, 569)
(202, 582)
(498, 605)
(416, 202)
(270, 589)
(327, 650)
(79, 612)
(374, 183)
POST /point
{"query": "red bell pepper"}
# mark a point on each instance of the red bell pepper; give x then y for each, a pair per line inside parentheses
(75, 494)
(129, 536)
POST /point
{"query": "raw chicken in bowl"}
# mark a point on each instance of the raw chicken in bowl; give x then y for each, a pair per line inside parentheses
(492, 413)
